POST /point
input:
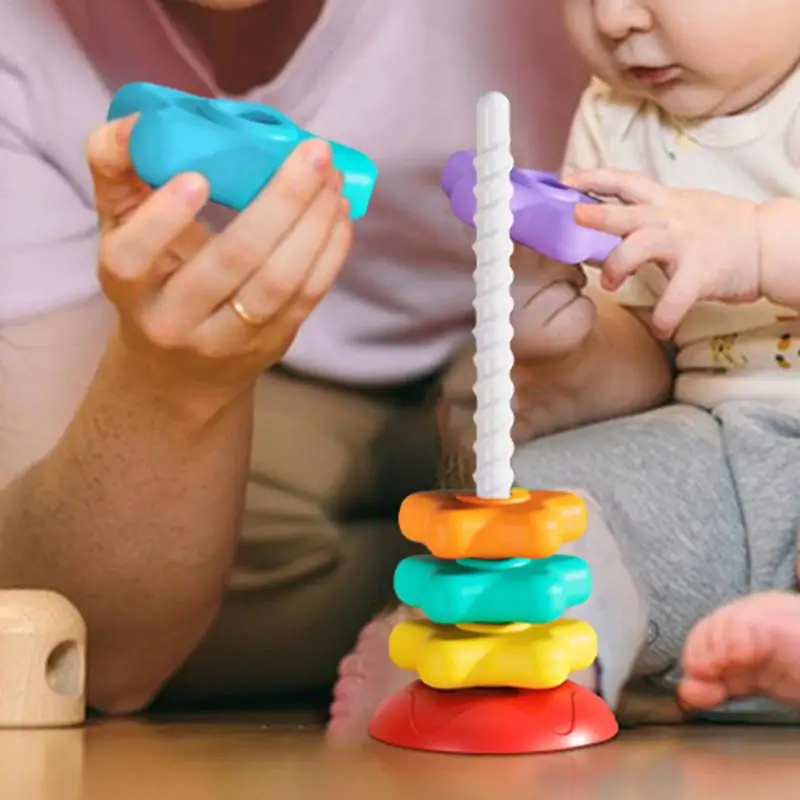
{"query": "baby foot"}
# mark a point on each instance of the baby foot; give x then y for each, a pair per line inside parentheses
(366, 678)
(750, 647)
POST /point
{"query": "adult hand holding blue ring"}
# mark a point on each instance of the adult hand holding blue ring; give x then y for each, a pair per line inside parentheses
(237, 146)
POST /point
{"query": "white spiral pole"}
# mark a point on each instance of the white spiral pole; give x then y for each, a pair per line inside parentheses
(494, 390)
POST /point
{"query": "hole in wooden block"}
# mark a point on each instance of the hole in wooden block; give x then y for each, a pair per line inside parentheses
(64, 669)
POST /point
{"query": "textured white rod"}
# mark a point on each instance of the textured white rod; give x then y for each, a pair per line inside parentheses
(493, 303)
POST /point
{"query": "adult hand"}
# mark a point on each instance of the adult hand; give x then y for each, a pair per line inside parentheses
(215, 310)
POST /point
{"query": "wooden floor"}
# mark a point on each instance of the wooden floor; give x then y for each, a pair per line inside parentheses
(255, 757)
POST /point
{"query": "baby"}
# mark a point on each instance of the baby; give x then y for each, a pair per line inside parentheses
(693, 122)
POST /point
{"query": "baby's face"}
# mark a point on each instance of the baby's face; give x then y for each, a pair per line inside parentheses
(694, 58)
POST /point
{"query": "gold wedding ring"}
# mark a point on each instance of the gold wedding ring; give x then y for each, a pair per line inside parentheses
(244, 315)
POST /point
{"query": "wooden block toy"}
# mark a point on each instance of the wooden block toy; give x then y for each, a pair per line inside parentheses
(42, 660)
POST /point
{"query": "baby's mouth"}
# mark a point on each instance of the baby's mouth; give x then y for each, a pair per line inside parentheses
(654, 76)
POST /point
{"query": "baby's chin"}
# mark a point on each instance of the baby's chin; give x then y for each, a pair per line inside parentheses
(692, 102)
(692, 105)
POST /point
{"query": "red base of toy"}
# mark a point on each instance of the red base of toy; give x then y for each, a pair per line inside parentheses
(494, 721)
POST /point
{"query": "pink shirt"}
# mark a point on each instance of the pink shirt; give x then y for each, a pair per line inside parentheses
(398, 80)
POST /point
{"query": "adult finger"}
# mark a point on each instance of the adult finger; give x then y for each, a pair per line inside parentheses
(227, 261)
(325, 271)
(117, 188)
(533, 274)
(128, 252)
(280, 325)
(281, 277)
(554, 323)
(618, 220)
(644, 246)
(630, 187)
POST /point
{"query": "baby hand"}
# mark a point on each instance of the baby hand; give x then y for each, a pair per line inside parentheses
(705, 242)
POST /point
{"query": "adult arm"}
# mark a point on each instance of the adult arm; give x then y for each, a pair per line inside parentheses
(114, 491)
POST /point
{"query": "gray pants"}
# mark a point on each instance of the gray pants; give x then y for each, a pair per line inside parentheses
(700, 508)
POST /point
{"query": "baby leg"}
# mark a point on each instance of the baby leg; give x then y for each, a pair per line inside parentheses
(749, 647)
(367, 677)
(666, 541)
(743, 660)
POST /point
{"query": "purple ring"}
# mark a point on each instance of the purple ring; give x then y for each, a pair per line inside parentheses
(543, 209)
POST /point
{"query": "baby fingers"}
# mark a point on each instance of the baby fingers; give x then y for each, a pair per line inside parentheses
(629, 187)
(682, 292)
(618, 220)
(645, 245)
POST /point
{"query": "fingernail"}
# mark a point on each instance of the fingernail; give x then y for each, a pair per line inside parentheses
(192, 188)
(122, 130)
(317, 153)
